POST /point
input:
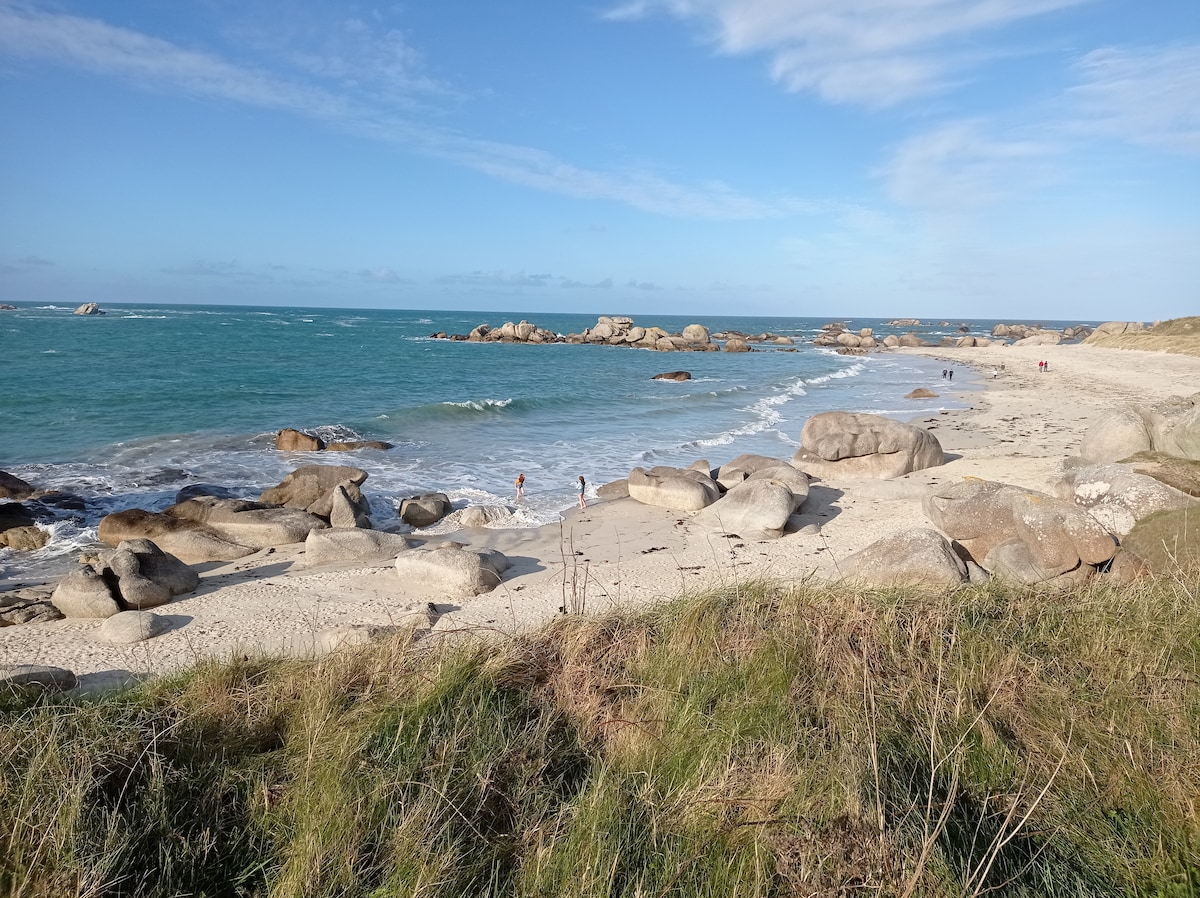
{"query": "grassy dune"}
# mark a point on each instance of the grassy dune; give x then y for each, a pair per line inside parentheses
(1178, 335)
(756, 741)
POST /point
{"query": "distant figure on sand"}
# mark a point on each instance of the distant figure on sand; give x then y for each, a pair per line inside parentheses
(951, 373)
(520, 481)
(1045, 367)
(581, 486)
(1041, 367)
(943, 374)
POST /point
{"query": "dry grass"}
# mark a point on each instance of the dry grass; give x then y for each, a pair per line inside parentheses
(761, 740)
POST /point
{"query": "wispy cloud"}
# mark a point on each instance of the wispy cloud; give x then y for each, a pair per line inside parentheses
(872, 52)
(209, 268)
(495, 279)
(1148, 96)
(602, 284)
(357, 81)
(962, 166)
(34, 260)
(381, 276)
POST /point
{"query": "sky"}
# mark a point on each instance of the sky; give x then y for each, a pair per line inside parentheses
(1011, 159)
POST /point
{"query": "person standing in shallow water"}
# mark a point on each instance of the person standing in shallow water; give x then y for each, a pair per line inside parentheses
(951, 373)
(581, 486)
(520, 481)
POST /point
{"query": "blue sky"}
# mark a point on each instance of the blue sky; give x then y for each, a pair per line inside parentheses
(1015, 159)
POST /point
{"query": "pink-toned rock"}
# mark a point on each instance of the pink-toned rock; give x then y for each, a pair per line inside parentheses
(851, 445)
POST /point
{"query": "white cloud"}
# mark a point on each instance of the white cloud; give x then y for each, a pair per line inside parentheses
(961, 166)
(873, 52)
(154, 63)
(1148, 96)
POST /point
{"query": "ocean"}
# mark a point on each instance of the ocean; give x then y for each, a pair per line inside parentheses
(125, 409)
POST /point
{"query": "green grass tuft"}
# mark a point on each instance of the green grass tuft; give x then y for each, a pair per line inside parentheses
(760, 740)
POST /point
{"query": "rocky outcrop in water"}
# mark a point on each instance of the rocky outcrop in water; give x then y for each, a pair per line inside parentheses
(621, 331)
(291, 440)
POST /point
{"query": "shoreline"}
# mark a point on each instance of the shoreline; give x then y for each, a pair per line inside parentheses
(1018, 428)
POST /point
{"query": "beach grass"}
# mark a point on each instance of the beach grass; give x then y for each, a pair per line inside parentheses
(764, 739)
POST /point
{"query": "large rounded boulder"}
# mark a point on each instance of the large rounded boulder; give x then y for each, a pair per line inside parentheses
(248, 523)
(852, 445)
(736, 470)
(1171, 426)
(343, 545)
(1019, 534)
(675, 488)
(187, 540)
(920, 557)
(450, 569)
(1118, 496)
(757, 509)
(425, 510)
(84, 593)
(143, 575)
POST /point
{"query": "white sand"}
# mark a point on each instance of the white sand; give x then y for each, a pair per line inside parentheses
(1020, 427)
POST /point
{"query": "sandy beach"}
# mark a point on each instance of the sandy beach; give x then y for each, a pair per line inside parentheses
(1019, 427)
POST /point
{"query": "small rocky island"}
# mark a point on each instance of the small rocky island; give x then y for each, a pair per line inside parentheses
(621, 331)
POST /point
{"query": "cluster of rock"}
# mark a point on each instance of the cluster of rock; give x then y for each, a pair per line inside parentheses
(28, 514)
(135, 576)
(836, 334)
(761, 337)
(319, 505)
(1114, 329)
(1122, 508)
(89, 308)
(761, 497)
(7, 307)
(620, 331)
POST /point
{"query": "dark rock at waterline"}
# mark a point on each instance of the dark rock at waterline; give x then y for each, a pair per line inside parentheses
(59, 501)
(353, 445)
(195, 490)
(673, 375)
(425, 510)
(13, 487)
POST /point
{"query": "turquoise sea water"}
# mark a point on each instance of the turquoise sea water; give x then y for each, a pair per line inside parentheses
(126, 408)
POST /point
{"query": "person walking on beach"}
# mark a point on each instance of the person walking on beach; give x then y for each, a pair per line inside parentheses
(951, 373)
(943, 374)
(520, 481)
(581, 486)
(1041, 367)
